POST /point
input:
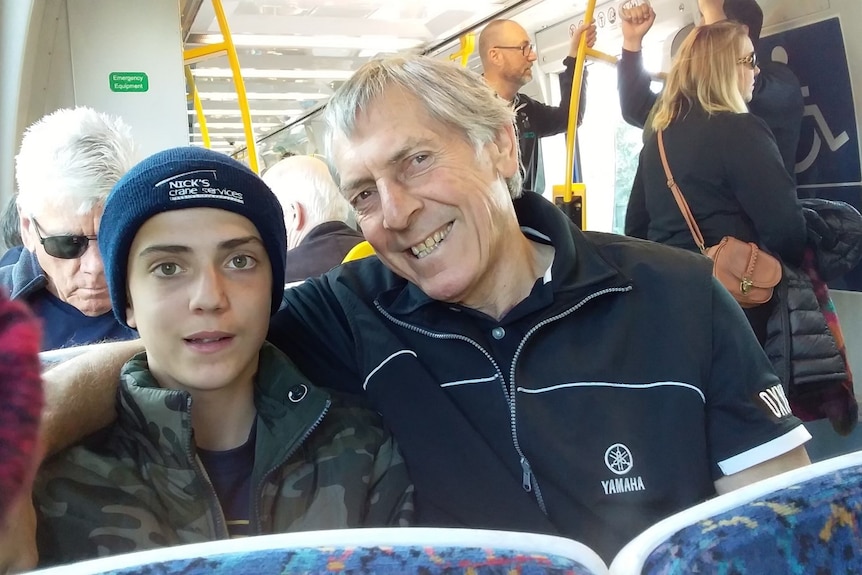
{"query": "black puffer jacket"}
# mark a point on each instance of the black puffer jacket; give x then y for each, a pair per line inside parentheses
(835, 233)
(799, 342)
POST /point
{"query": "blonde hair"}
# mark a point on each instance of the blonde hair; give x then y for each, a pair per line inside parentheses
(705, 71)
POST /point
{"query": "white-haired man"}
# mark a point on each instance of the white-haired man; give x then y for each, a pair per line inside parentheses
(67, 164)
(315, 216)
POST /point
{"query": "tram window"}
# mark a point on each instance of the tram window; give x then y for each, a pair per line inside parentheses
(608, 147)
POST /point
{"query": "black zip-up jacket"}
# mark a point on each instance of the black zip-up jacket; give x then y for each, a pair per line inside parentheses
(535, 120)
(613, 396)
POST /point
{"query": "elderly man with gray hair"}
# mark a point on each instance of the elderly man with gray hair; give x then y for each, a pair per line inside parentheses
(315, 216)
(68, 162)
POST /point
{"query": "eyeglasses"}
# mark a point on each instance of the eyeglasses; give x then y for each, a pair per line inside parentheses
(750, 60)
(66, 247)
(524, 48)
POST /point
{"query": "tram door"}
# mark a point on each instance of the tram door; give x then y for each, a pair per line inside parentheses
(608, 149)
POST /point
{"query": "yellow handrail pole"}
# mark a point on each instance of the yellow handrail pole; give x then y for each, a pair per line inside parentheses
(192, 55)
(240, 85)
(199, 110)
(575, 102)
(468, 44)
(594, 54)
(597, 55)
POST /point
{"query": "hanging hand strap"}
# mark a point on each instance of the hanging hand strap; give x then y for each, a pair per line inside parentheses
(680, 200)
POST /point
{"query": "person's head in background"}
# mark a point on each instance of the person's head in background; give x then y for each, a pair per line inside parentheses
(68, 162)
(308, 195)
(10, 225)
(715, 69)
(20, 402)
(507, 54)
(194, 248)
(748, 13)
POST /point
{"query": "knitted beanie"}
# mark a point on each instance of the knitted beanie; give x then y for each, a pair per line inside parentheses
(178, 179)
(20, 399)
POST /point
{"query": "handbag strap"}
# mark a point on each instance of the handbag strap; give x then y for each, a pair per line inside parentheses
(680, 200)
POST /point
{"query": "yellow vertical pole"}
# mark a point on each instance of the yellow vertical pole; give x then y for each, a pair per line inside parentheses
(571, 132)
(571, 196)
(240, 85)
(199, 110)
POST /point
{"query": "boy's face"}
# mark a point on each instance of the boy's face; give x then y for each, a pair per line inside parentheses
(200, 291)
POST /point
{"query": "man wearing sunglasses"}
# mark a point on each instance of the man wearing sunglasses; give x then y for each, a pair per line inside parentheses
(68, 162)
(507, 62)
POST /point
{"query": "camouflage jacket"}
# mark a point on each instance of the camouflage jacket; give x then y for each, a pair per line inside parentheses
(321, 462)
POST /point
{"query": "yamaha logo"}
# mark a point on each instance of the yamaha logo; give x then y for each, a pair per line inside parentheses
(618, 458)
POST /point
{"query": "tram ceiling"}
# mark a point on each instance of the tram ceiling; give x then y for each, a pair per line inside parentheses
(294, 53)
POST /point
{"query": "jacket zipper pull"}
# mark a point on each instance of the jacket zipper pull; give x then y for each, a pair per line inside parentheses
(527, 481)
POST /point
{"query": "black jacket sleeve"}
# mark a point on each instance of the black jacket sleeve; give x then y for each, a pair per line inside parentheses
(761, 184)
(637, 216)
(633, 84)
(314, 331)
(550, 120)
(777, 100)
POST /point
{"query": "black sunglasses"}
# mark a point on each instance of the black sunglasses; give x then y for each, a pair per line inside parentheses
(66, 247)
(750, 60)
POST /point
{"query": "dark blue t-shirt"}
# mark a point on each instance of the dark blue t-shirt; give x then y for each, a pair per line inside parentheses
(63, 325)
(230, 473)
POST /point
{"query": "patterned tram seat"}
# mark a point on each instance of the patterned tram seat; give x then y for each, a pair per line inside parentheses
(383, 551)
(804, 521)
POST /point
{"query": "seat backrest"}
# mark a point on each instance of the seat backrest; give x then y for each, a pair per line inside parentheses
(385, 550)
(808, 520)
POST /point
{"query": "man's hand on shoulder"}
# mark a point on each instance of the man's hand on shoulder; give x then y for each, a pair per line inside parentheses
(635, 22)
(18, 537)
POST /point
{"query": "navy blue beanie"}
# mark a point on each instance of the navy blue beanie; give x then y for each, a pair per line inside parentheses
(178, 179)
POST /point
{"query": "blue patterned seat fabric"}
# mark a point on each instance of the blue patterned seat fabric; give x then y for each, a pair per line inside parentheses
(814, 527)
(371, 560)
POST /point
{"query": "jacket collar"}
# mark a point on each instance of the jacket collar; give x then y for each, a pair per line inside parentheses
(288, 406)
(27, 275)
(327, 228)
(577, 265)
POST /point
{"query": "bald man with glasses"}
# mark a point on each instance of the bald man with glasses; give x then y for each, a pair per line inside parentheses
(507, 60)
(68, 162)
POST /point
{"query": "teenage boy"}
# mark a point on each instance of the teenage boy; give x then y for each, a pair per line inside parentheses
(205, 447)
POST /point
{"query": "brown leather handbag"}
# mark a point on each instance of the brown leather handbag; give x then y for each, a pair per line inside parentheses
(747, 272)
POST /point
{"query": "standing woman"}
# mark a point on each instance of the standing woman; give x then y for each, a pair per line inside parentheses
(724, 159)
